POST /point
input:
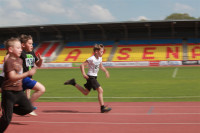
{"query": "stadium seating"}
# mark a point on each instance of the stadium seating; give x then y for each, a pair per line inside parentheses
(122, 51)
(42, 48)
(80, 51)
(89, 43)
(153, 41)
(131, 50)
(52, 49)
(193, 49)
(145, 50)
(2, 53)
(193, 40)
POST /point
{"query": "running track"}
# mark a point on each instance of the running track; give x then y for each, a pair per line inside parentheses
(126, 117)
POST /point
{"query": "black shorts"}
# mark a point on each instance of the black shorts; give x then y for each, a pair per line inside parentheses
(92, 83)
(1, 81)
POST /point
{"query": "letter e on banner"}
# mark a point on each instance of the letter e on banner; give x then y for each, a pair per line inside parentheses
(147, 52)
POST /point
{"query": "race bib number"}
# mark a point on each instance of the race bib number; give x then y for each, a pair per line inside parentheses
(96, 67)
(30, 61)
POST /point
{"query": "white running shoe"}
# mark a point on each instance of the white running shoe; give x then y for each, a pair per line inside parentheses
(33, 113)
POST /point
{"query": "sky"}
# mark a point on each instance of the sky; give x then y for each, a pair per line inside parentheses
(44, 12)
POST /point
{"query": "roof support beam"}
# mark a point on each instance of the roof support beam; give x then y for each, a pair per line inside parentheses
(59, 34)
(196, 29)
(148, 26)
(103, 32)
(80, 32)
(37, 34)
(125, 31)
(173, 29)
(13, 31)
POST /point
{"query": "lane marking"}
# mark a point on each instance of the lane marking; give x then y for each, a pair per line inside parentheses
(131, 106)
(150, 110)
(118, 97)
(105, 123)
(95, 113)
(175, 72)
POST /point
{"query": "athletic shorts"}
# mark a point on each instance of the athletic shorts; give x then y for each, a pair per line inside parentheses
(92, 83)
(28, 83)
(1, 81)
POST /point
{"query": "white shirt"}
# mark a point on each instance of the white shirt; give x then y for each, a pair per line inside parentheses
(93, 65)
(2, 73)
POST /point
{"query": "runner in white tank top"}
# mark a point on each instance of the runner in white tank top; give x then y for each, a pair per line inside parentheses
(94, 63)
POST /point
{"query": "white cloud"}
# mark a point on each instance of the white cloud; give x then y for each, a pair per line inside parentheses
(139, 18)
(21, 12)
(13, 4)
(27, 18)
(50, 7)
(1, 11)
(100, 13)
(182, 8)
(13, 13)
(20, 18)
(142, 18)
(54, 9)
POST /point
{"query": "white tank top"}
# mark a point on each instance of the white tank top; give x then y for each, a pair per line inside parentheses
(93, 65)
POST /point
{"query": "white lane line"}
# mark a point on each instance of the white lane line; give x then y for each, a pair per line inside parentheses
(117, 97)
(87, 113)
(131, 106)
(105, 123)
(175, 72)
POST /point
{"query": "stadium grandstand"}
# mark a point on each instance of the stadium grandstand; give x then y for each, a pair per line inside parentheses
(151, 41)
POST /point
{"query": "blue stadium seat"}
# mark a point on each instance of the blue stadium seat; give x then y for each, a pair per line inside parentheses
(89, 43)
(35, 45)
(2, 46)
(153, 41)
(193, 40)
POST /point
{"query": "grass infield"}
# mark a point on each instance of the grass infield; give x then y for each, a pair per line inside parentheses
(147, 84)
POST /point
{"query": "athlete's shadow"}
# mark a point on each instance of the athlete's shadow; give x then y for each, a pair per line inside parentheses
(17, 123)
(64, 111)
(60, 111)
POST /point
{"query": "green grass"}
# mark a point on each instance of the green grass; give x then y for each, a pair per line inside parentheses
(133, 84)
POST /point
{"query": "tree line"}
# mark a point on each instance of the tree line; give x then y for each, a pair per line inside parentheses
(180, 16)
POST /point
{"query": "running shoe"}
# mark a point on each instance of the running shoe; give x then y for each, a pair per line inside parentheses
(105, 109)
(34, 107)
(70, 82)
(33, 113)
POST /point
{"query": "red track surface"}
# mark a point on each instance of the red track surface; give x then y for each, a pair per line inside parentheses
(126, 117)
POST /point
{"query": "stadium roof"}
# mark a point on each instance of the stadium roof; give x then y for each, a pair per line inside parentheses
(92, 26)
(147, 27)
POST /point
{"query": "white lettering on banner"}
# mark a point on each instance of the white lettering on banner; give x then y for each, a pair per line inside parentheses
(164, 63)
(139, 63)
(175, 62)
(46, 65)
(108, 64)
(113, 64)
